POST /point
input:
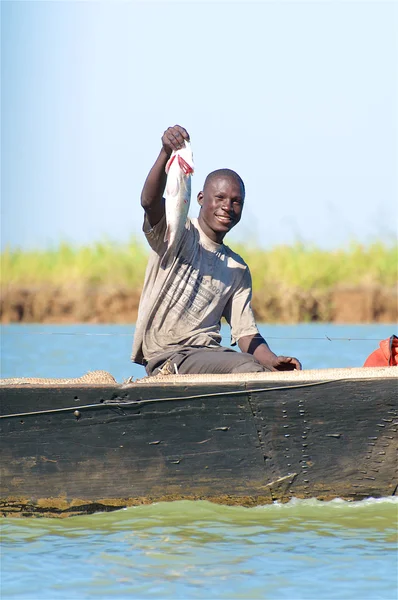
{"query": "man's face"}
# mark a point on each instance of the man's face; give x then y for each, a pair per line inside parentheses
(221, 206)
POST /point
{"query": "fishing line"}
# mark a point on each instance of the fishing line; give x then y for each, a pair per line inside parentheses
(269, 337)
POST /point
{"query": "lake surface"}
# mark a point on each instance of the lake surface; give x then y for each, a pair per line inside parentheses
(297, 551)
(72, 350)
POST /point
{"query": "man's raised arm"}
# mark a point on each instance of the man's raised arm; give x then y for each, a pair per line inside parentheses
(152, 193)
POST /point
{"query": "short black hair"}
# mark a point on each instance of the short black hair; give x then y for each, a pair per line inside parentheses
(225, 173)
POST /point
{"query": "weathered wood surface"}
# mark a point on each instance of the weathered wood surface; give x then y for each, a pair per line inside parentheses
(73, 449)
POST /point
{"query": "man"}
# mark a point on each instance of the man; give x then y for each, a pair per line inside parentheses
(179, 317)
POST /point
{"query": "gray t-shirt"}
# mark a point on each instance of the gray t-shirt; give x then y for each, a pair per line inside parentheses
(183, 304)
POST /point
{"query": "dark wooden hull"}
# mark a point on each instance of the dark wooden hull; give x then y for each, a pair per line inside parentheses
(72, 449)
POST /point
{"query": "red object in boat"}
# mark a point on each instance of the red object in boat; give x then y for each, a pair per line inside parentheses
(386, 355)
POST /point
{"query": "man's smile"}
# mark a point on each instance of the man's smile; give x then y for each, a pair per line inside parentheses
(224, 219)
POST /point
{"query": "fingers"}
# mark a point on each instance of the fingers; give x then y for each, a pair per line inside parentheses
(288, 363)
(297, 364)
(174, 138)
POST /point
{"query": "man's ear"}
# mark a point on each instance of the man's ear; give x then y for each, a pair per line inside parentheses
(200, 198)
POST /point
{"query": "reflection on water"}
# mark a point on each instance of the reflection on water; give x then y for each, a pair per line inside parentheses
(303, 549)
(315, 515)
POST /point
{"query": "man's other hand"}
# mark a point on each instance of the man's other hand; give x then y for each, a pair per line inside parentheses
(286, 363)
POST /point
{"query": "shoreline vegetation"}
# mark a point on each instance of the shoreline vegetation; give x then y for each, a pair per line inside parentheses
(102, 283)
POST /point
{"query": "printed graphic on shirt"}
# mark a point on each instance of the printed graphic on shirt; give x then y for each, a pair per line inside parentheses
(189, 294)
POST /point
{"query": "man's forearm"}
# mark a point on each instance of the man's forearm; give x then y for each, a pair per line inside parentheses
(153, 190)
(264, 355)
(256, 345)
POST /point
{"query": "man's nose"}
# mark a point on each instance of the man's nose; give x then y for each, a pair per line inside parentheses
(227, 205)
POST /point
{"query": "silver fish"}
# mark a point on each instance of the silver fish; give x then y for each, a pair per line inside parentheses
(179, 169)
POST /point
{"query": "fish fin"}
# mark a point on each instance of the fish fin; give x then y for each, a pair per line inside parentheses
(184, 166)
(165, 258)
(167, 234)
(172, 186)
(170, 162)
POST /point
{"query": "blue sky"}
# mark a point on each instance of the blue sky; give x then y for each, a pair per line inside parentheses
(299, 97)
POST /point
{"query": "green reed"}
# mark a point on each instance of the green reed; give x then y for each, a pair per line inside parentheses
(308, 267)
(296, 266)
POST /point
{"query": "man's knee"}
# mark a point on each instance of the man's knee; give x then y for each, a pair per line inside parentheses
(248, 364)
(223, 361)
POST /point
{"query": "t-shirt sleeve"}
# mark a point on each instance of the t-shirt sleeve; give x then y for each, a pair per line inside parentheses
(155, 235)
(238, 311)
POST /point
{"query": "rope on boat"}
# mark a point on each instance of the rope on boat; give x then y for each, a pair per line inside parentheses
(111, 404)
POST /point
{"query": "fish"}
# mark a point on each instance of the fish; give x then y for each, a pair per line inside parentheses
(179, 169)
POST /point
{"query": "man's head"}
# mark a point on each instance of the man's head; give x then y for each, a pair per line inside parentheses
(221, 203)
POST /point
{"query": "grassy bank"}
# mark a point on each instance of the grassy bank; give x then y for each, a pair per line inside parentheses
(102, 284)
(298, 266)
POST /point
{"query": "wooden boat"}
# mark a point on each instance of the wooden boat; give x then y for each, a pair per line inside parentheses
(71, 447)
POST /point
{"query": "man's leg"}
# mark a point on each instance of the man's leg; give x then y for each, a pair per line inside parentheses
(212, 360)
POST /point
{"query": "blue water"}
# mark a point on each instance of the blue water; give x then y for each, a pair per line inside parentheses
(72, 350)
(299, 551)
